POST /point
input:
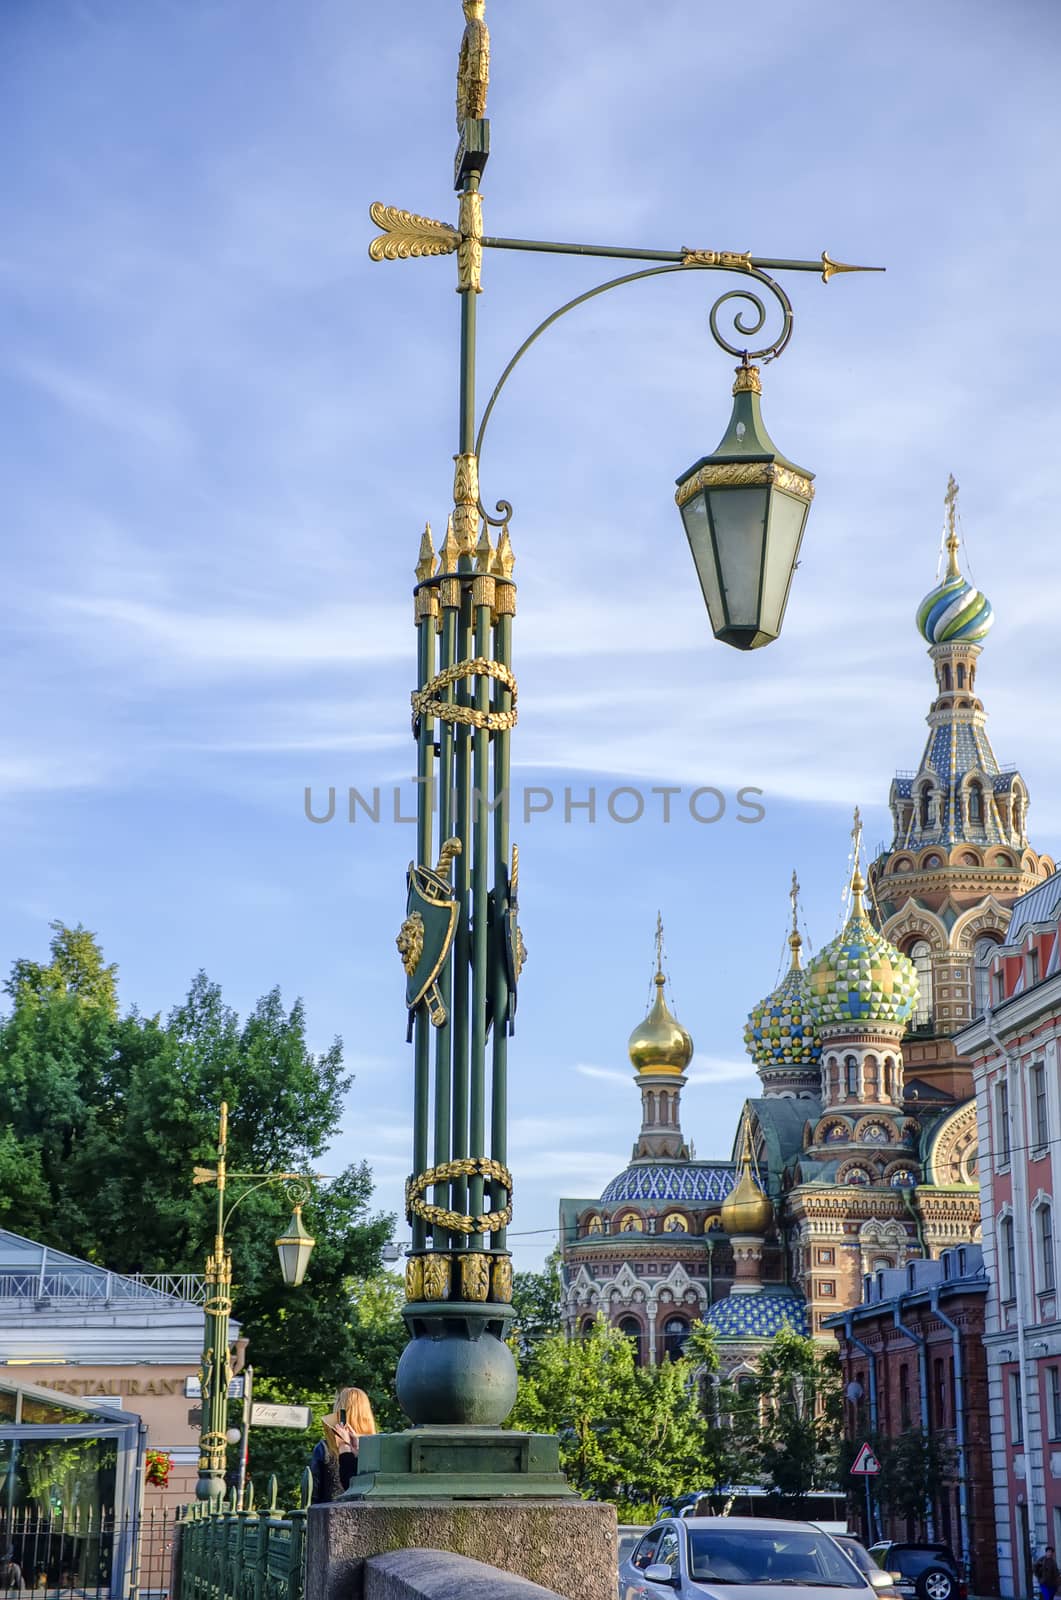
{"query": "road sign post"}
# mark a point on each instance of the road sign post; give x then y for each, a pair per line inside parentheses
(866, 1466)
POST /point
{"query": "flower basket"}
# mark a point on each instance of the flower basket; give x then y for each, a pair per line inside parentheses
(157, 1468)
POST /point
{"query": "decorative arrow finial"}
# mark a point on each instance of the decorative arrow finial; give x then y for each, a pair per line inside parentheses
(831, 267)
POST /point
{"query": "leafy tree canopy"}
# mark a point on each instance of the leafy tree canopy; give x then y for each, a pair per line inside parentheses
(633, 1435)
(104, 1115)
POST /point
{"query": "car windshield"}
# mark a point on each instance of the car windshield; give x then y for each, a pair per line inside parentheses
(858, 1555)
(733, 1554)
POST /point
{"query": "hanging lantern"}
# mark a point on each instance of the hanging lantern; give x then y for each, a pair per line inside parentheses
(294, 1249)
(744, 510)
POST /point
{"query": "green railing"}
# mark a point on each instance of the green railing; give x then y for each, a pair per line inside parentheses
(233, 1552)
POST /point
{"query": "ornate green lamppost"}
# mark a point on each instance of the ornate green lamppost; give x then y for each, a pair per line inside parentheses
(293, 1247)
(744, 508)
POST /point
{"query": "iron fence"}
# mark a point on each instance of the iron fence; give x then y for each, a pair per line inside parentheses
(88, 1553)
(229, 1552)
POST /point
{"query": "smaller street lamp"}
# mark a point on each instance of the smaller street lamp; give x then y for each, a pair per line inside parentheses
(744, 508)
(215, 1373)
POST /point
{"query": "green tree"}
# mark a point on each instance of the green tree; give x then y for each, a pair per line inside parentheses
(103, 1116)
(536, 1298)
(914, 1469)
(799, 1393)
(378, 1337)
(632, 1435)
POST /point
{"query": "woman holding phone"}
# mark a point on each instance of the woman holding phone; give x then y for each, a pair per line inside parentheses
(334, 1459)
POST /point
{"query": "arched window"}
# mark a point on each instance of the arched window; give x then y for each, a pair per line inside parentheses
(926, 807)
(961, 675)
(675, 1333)
(983, 956)
(889, 1077)
(1045, 1231)
(921, 955)
(976, 802)
(1018, 817)
(851, 1076)
(650, 1108)
(632, 1328)
(946, 676)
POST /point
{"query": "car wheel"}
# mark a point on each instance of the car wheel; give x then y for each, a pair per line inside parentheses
(936, 1584)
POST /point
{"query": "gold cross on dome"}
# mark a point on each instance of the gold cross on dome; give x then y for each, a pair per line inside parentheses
(950, 500)
(793, 895)
(659, 941)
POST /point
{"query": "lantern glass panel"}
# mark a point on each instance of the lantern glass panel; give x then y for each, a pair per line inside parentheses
(698, 532)
(738, 518)
(788, 516)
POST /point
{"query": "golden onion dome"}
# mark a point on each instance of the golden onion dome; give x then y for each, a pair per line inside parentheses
(660, 1044)
(746, 1209)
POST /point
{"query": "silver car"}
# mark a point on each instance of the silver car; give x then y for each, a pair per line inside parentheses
(738, 1558)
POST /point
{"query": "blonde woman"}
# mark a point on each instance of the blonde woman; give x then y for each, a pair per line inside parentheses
(334, 1459)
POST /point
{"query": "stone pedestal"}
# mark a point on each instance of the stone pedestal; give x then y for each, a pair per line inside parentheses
(459, 1463)
(569, 1546)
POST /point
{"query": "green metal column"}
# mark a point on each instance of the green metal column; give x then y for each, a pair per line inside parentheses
(215, 1372)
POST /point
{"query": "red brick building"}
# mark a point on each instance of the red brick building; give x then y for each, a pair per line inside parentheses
(913, 1358)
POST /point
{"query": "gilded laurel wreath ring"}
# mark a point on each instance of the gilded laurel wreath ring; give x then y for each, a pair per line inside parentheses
(456, 1221)
(425, 701)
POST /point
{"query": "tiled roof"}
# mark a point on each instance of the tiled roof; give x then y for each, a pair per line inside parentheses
(691, 1181)
(757, 1316)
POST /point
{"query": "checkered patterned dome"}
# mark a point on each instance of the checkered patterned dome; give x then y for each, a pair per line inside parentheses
(780, 1030)
(860, 978)
(757, 1316)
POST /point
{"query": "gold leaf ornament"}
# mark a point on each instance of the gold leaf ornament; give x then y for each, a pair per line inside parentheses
(406, 234)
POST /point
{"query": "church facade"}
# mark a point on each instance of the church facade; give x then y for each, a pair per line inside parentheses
(860, 1152)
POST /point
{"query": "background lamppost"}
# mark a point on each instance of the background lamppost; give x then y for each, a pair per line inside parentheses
(744, 509)
(293, 1247)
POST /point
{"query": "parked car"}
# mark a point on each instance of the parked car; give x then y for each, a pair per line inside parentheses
(684, 1558)
(883, 1582)
(924, 1571)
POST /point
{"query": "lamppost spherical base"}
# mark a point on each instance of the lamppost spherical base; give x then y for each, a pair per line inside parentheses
(457, 1369)
(210, 1486)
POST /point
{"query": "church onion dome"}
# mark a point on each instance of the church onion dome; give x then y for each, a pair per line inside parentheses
(757, 1316)
(746, 1210)
(954, 612)
(660, 1045)
(779, 1031)
(860, 979)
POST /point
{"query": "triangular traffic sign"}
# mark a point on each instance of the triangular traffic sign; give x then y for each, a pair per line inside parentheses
(866, 1463)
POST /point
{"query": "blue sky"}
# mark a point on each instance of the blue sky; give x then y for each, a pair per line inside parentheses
(223, 429)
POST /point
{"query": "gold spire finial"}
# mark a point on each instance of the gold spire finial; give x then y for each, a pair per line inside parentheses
(505, 556)
(483, 553)
(425, 566)
(950, 500)
(449, 551)
(858, 883)
(795, 943)
(659, 944)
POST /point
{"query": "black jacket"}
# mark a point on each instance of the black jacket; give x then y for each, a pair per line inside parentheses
(331, 1474)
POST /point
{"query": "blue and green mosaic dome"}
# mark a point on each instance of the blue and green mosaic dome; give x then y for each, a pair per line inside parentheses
(757, 1316)
(780, 1030)
(954, 612)
(860, 978)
